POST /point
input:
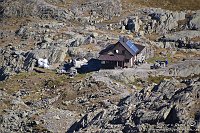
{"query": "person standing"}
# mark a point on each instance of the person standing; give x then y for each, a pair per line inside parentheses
(166, 62)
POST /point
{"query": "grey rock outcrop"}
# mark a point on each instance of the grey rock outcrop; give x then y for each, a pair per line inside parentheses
(181, 39)
(147, 110)
(15, 61)
(17, 121)
(45, 10)
(38, 8)
(99, 8)
(168, 20)
(53, 54)
(195, 22)
(159, 20)
(182, 35)
(183, 69)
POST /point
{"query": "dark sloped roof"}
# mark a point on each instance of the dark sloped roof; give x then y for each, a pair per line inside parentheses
(112, 57)
(131, 47)
(108, 48)
(140, 47)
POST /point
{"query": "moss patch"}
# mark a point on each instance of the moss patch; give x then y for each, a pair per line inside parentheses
(157, 79)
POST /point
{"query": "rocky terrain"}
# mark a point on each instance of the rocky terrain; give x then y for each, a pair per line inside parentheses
(138, 99)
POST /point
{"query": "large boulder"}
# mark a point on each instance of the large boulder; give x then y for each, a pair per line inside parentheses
(53, 54)
(195, 22)
(13, 61)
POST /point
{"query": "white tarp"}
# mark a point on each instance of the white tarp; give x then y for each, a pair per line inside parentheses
(43, 63)
(79, 63)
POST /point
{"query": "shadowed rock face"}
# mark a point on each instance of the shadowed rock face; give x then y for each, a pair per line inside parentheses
(1, 11)
(3, 75)
(147, 110)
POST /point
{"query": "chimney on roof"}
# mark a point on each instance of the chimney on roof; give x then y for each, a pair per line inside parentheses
(121, 38)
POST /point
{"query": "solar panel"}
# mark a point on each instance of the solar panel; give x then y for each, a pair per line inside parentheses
(132, 46)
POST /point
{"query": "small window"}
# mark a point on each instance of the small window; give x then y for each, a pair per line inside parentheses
(126, 60)
(116, 51)
(103, 62)
(123, 51)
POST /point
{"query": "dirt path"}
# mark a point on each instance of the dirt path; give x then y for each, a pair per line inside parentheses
(182, 68)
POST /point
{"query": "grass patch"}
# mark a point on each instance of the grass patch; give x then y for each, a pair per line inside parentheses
(156, 79)
(53, 83)
(159, 57)
(33, 81)
(138, 83)
(196, 39)
(153, 36)
(89, 47)
(24, 75)
(81, 76)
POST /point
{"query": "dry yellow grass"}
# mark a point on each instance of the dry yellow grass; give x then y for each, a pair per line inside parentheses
(153, 36)
(165, 4)
(196, 39)
(168, 4)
